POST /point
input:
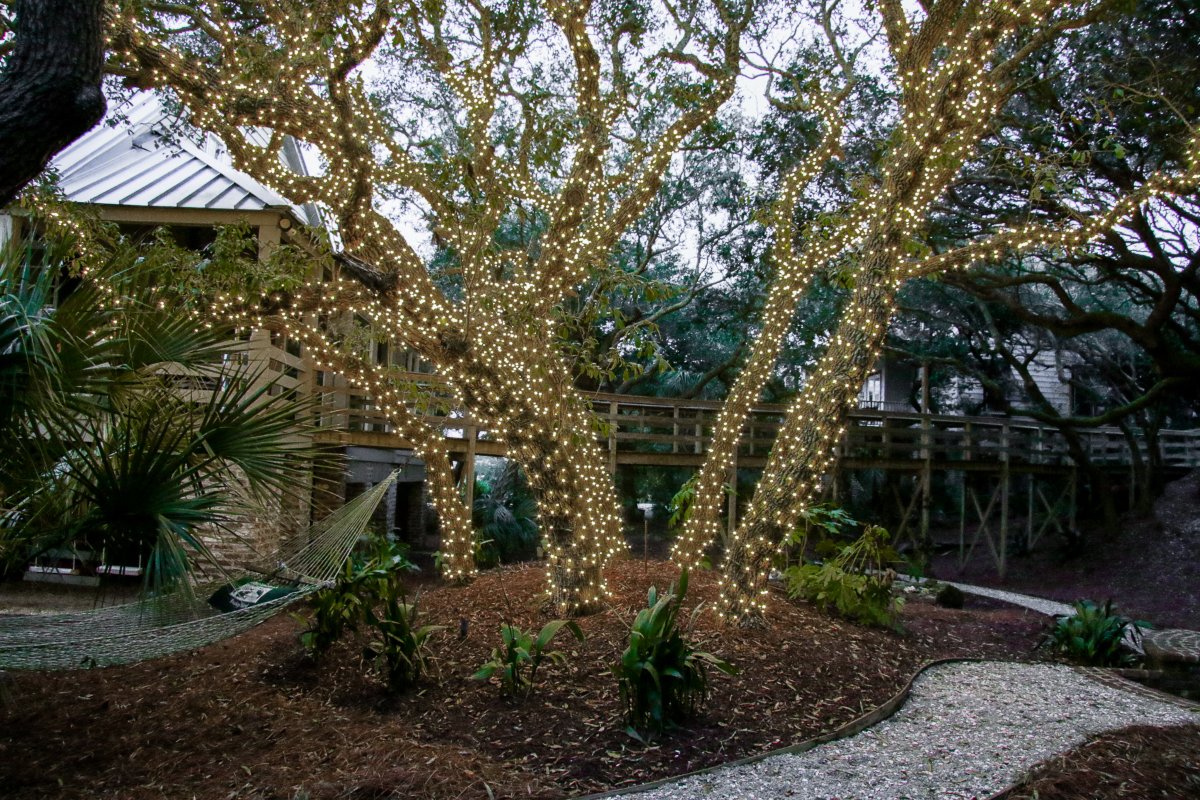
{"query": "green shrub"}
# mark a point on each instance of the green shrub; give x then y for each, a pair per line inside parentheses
(950, 597)
(368, 578)
(381, 552)
(680, 505)
(828, 522)
(855, 583)
(1093, 635)
(517, 661)
(663, 680)
(400, 651)
(336, 610)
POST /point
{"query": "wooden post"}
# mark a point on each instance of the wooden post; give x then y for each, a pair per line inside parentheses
(612, 437)
(1133, 479)
(698, 446)
(1029, 518)
(1004, 490)
(645, 539)
(469, 468)
(1073, 501)
(674, 428)
(925, 387)
(926, 469)
(962, 520)
(259, 346)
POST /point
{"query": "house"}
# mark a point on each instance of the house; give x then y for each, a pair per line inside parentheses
(137, 172)
(895, 385)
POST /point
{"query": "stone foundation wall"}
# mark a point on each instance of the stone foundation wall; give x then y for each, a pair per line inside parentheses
(255, 537)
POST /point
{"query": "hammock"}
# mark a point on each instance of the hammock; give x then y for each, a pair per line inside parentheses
(184, 620)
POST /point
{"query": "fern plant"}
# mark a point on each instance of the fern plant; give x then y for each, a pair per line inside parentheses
(517, 660)
(856, 583)
(663, 680)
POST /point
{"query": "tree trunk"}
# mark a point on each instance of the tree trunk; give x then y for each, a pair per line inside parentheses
(454, 518)
(552, 435)
(803, 450)
(50, 88)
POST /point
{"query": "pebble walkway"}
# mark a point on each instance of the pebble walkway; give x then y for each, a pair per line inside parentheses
(968, 730)
(1040, 604)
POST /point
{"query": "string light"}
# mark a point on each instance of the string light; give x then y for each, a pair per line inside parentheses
(495, 347)
(952, 79)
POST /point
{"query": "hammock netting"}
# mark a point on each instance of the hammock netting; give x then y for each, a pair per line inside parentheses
(184, 620)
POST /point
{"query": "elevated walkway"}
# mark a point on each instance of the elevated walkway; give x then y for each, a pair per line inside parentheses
(672, 432)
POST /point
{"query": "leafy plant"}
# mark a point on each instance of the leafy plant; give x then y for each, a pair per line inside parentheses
(382, 552)
(829, 522)
(505, 518)
(369, 593)
(516, 662)
(336, 610)
(98, 445)
(825, 519)
(681, 504)
(400, 650)
(663, 679)
(367, 579)
(1094, 634)
(856, 583)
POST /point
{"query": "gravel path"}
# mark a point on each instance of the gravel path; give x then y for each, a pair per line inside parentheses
(1039, 604)
(968, 730)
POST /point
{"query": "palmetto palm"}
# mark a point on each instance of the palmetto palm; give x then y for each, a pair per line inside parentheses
(125, 424)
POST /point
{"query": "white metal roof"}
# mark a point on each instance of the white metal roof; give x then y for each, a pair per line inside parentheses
(136, 162)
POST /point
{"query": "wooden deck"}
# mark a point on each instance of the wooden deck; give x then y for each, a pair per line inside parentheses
(676, 433)
(1013, 478)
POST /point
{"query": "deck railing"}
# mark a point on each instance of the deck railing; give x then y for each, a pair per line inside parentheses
(669, 431)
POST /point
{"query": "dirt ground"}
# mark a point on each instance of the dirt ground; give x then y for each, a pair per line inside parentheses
(1150, 568)
(251, 718)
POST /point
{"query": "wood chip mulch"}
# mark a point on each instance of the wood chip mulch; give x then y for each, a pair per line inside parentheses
(251, 718)
(1136, 763)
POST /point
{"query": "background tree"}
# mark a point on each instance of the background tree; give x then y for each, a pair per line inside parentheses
(1118, 318)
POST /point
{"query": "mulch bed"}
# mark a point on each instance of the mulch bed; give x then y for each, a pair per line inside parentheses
(251, 718)
(1137, 762)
